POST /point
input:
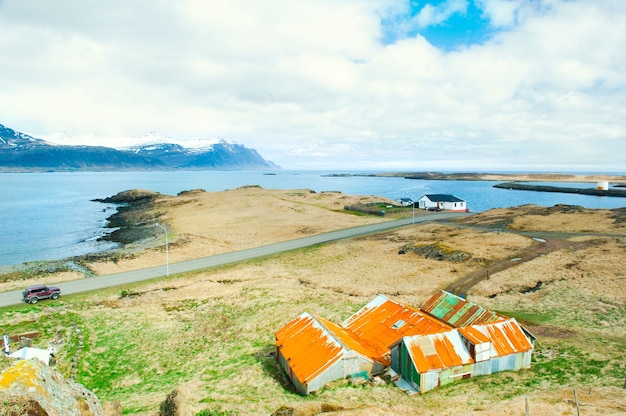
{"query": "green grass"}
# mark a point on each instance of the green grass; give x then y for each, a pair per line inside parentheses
(225, 342)
(528, 318)
(560, 365)
(127, 357)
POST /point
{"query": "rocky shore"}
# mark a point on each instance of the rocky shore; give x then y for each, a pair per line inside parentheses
(135, 218)
(132, 227)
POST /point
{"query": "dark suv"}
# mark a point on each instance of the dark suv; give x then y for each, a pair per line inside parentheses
(33, 294)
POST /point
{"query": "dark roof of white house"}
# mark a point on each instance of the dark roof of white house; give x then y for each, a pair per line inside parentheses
(443, 198)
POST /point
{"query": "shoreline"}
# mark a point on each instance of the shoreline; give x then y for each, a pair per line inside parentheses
(552, 258)
(510, 177)
(581, 191)
(227, 226)
(133, 223)
(133, 220)
(132, 231)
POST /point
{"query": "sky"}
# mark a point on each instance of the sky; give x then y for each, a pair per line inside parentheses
(451, 85)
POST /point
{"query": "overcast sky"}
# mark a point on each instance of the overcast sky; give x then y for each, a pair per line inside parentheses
(456, 85)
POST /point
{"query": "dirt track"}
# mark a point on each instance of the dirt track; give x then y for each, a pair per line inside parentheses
(544, 243)
(538, 248)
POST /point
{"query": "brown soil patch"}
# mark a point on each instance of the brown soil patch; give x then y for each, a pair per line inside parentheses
(595, 267)
(547, 331)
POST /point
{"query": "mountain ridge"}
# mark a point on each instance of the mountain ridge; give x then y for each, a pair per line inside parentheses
(20, 152)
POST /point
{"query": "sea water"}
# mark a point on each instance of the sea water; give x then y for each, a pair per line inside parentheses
(49, 216)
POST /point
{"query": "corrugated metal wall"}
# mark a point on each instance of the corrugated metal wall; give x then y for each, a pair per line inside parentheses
(395, 357)
(482, 368)
(433, 379)
(430, 381)
(334, 372)
(511, 362)
(450, 375)
(300, 388)
(343, 368)
(402, 364)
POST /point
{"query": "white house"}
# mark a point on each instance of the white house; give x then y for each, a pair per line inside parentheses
(443, 202)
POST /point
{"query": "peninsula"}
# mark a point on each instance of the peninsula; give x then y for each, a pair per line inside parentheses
(204, 341)
(511, 177)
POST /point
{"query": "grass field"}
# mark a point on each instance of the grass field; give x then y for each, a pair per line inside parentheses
(210, 334)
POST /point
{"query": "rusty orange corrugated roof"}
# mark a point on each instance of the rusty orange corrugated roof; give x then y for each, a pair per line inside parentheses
(507, 337)
(308, 346)
(473, 335)
(445, 350)
(383, 322)
(348, 339)
(457, 311)
(437, 351)
(311, 344)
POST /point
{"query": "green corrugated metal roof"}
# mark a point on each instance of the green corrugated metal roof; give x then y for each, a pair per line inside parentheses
(456, 311)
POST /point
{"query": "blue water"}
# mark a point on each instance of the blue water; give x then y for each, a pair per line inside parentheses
(48, 216)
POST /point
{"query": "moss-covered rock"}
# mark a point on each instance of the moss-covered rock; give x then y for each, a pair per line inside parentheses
(32, 385)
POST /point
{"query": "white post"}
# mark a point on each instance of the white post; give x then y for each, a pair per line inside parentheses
(6, 349)
(413, 204)
(167, 255)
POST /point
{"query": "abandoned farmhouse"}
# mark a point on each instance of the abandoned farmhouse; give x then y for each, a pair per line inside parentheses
(448, 339)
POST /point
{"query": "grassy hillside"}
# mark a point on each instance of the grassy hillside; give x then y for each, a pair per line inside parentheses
(210, 333)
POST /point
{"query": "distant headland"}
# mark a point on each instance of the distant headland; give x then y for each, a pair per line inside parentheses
(513, 181)
(510, 177)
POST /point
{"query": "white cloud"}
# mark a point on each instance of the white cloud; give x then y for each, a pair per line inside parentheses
(309, 84)
(502, 13)
(431, 15)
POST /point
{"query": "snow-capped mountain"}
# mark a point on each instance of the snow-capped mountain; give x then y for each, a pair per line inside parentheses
(128, 142)
(10, 138)
(21, 152)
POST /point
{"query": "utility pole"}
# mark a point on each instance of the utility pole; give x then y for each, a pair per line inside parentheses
(167, 255)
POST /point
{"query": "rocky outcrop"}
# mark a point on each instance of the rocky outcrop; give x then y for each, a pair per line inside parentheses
(132, 196)
(134, 219)
(31, 387)
(183, 400)
(436, 251)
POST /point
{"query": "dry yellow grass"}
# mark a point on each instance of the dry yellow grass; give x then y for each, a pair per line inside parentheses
(209, 223)
(214, 328)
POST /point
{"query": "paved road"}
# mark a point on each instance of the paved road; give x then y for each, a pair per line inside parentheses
(117, 279)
